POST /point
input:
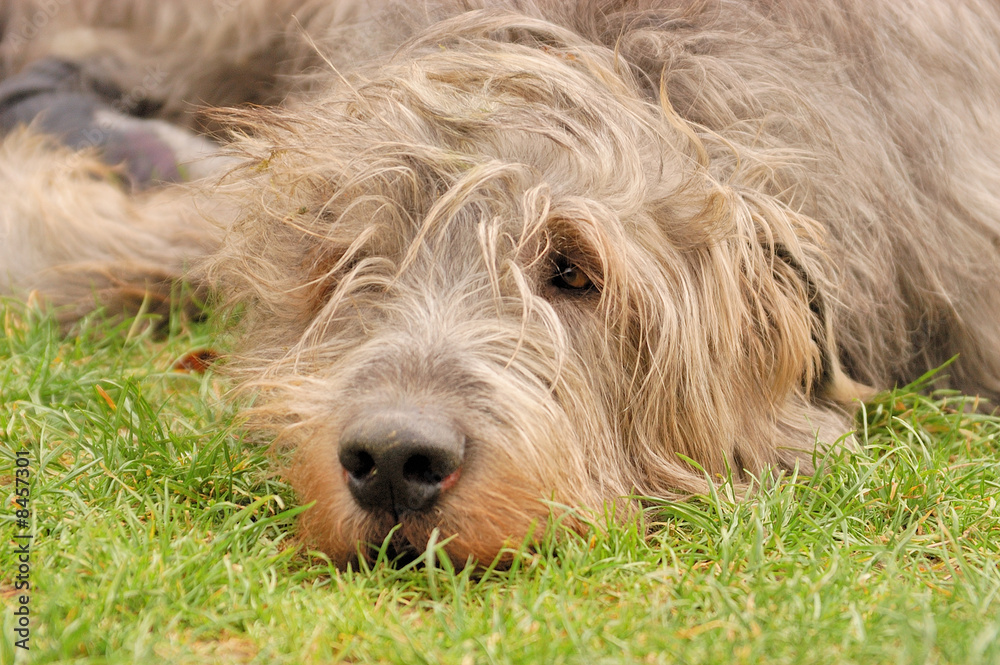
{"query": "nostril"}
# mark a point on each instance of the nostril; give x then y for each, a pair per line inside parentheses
(358, 463)
(441, 471)
(418, 469)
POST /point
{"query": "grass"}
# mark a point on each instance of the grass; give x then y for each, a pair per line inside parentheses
(161, 538)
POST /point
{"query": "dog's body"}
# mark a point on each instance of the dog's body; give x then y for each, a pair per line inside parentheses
(541, 253)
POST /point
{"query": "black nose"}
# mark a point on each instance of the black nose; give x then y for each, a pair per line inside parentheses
(400, 461)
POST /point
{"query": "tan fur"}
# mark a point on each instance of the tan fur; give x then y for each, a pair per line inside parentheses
(71, 230)
(783, 206)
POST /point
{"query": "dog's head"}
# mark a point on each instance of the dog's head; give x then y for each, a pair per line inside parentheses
(495, 275)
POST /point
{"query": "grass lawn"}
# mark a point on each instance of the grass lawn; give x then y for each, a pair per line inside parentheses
(159, 537)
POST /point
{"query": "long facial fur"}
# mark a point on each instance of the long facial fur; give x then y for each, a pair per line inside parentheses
(782, 205)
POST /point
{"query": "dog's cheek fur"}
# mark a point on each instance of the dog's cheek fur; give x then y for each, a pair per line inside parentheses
(726, 343)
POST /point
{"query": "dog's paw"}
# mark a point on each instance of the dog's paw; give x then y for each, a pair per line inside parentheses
(56, 98)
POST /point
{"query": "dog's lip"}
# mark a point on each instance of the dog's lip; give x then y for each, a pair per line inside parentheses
(406, 521)
(406, 534)
(399, 550)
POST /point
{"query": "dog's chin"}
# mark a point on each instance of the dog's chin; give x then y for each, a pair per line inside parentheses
(405, 539)
(392, 540)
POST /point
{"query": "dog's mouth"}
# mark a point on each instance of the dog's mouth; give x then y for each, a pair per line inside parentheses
(397, 552)
(400, 540)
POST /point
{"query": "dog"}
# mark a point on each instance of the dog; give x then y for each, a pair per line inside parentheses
(500, 260)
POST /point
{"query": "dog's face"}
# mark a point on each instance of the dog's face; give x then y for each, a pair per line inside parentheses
(490, 279)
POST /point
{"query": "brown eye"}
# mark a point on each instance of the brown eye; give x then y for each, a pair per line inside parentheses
(569, 276)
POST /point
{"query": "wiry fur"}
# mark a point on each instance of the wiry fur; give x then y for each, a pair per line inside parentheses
(781, 206)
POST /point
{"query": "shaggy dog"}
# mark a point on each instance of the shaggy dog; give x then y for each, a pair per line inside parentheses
(495, 258)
